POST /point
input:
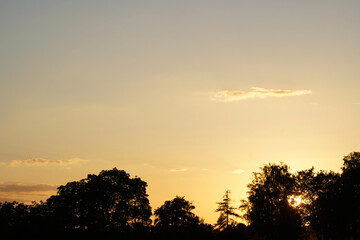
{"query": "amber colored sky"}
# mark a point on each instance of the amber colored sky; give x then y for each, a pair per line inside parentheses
(192, 96)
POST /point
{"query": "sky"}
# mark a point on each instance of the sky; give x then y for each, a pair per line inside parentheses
(191, 96)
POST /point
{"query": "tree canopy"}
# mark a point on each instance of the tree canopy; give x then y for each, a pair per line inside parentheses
(176, 213)
(321, 205)
(109, 200)
(336, 211)
(267, 209)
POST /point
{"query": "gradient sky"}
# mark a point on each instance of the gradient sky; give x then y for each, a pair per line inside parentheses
(191, 96)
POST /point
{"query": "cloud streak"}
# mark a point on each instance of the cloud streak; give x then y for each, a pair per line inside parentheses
(178, 170)
(19, 187)
(42, 161)
(237, 171)
(26, 193)
(236, 95)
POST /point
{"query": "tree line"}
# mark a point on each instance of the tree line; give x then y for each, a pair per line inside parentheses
(321, 205)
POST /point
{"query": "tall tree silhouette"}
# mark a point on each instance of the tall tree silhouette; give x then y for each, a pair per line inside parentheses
(267, 208)
(226, 212)
(317, 190)
(110, 200)
(336, 212)
(351, 194)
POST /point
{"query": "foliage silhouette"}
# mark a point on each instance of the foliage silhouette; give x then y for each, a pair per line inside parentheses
(314, 188)
(267, 208)
(226, 212)
(175, 220)
(336, 211)
(111, 205)
(108, 201)
(237, 231)
(176, 213)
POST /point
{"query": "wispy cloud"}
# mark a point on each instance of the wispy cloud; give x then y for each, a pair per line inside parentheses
(356, 103)
(26, 193)
(42, 161)
(236, 95)
(178, 170)
(238, 171)
(19, 187)
(149, 165)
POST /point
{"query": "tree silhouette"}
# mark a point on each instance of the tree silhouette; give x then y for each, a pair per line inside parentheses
(13, 217)
(176, 213)
(175, 220)
(226, 212)
(112, 205)
(336, 211)
(267, 208)
(351, 194)
(317, 190)
(110, 200)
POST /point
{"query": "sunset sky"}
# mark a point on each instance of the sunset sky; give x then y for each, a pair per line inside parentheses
(191, 96)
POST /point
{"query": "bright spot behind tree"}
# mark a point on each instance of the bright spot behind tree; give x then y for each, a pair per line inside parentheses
(294, 200)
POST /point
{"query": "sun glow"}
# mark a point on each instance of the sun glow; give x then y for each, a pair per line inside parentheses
(294, 200)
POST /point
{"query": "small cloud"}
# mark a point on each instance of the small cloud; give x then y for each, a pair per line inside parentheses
(19, 187)
(26, 193)
(314, 103)
(178, 170)
(238, 171)
(148, 165)
(236, 95)
(42, 161)
(357, 103)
